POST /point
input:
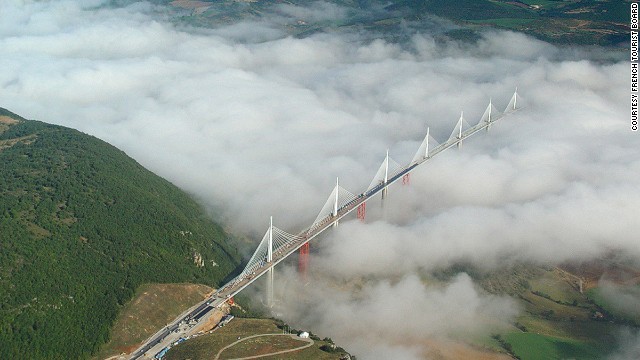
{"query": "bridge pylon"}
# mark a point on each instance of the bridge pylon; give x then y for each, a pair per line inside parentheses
(269, 260)
(513, 103)
(488, 112)
(459, 125)
(426, 145)
(386, 175)
(423, 151)
(458, 132)
(335, 203)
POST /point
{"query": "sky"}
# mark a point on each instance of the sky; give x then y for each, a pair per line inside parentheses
(255, 123)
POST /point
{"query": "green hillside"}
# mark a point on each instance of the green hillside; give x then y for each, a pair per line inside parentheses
(557, 320)
(585, 22)
(82, 225)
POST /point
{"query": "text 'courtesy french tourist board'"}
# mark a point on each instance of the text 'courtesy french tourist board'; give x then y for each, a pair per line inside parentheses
(633, 48)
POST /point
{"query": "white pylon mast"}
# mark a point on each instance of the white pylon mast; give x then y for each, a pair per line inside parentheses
(460, 130)
(270, 247)
(426, 146)
(386, 175)
(515, 98)
(386, 167)
(488, 120)
(270, 259)
(335, 204)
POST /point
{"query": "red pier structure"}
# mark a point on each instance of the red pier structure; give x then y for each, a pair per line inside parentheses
(406, 179)
(362, 211)
(303, 260)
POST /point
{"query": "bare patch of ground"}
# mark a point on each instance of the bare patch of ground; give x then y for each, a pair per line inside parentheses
(198, 7)
(211, 322)
(593, 271)
(153, 306)
(11, 142)
(7, 120)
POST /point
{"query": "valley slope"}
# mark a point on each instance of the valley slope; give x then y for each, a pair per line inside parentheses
(83, 225)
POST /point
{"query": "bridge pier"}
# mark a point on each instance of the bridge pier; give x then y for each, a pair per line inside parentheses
(362, 211)
(270, 288)
(406, 179)
(303, 260)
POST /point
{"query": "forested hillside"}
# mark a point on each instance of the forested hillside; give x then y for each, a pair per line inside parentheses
(81, 226)
(586, 22)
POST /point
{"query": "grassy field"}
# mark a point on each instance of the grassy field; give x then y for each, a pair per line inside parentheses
(510, 23)
(603, 22)
(262, 345)
(545, 4)
(559, 287)
(530, 346)
(597, 296)
(207, 346)
(556, 321)
(600, 22)
(153, 306)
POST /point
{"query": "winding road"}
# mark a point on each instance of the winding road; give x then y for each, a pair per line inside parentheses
(309, 342)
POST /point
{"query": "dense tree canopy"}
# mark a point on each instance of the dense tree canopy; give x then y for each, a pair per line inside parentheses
(81, 226)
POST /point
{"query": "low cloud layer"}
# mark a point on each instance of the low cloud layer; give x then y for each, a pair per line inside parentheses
(256, 123)
(578, 223)
(629, 346)
(398, 315)
(622, 299)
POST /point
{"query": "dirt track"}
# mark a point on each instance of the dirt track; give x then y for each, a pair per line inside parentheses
(308, 341)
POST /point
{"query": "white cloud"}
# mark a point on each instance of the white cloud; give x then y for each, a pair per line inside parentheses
(255, 123)
(629, 346)
(318, 11)
(396, 317)
(622, 299)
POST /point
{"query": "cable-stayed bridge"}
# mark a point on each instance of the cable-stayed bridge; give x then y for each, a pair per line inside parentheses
(277, 244)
